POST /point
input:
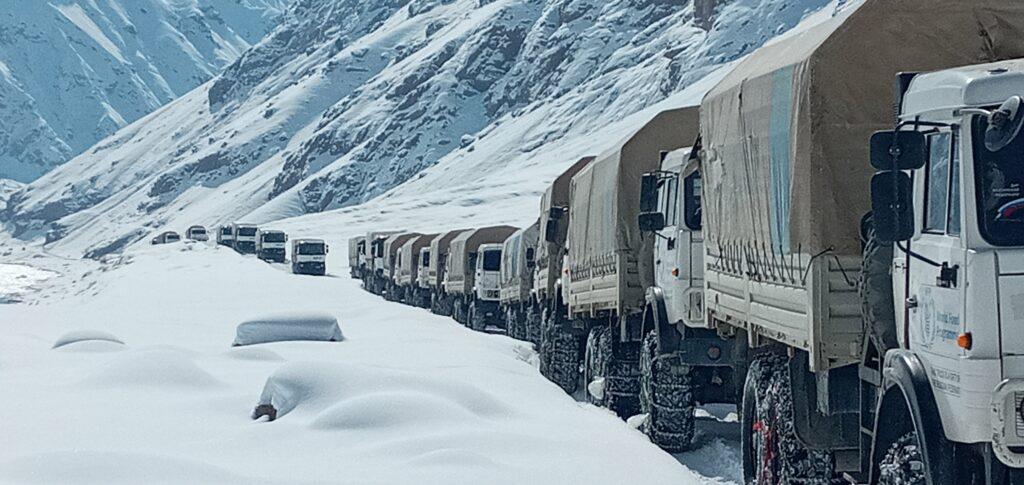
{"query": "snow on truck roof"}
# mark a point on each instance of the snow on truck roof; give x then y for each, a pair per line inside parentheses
(971, 86)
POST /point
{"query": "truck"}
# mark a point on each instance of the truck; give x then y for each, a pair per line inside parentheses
(407, 270)
(197, 233)
(309, 256)
(609, 263)
(518, 259)
(869, 264)
(388, 271)
(374, 261)
(471, 275)
(226, 236)
(547, 304)
(244, 241)
(440, 303)
(357, 256)
(271, 245)
(674, 327)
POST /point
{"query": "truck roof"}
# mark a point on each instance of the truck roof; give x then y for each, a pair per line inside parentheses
(971, 86)
(307, 241)
(271, 231)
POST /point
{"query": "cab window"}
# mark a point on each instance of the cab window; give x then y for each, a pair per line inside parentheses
(940, 176)
(668, 200)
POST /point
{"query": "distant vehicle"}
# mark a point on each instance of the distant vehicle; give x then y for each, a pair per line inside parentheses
(197, 233)
(374, 261)
(270, 245)
(167, 238)
(518, 261)
(245, 237)
(475, 303)
(226, 236)
(357, 256)
(309, 256)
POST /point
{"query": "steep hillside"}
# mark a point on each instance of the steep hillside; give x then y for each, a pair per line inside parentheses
(346, 100)
(74, 71)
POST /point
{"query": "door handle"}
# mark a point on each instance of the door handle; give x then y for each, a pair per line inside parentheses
(910, 303)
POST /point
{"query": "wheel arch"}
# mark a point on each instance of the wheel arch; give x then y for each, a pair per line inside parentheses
(665, 331)
(907, 393)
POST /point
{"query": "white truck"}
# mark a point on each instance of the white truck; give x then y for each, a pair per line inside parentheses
(471, 275)
(271, 245)
(357, 256)
(309, 256)
(609, 263)
(197, 233)
(245, 237)
(226, 236)
(407, 269)
(374, 261)
(518, 260)
(877, 303)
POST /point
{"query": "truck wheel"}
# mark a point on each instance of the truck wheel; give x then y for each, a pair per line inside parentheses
(875, 288)
(476, 317)
(596, 359)
(559, 356)
(771, 452)
(666, 397)
(902, 463)
(622, 380)
(533, 319)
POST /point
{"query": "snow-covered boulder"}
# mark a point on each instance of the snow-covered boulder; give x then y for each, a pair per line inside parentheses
(78, 336)
(289, 326)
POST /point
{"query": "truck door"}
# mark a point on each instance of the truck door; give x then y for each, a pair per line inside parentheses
(667, 255)
(935, 287)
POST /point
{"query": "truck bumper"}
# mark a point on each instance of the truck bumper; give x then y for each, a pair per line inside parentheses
(1008, 422)
(245, 247)
(275, 255)
(309, 268)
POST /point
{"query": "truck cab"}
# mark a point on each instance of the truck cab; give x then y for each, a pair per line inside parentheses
(309, 256)
(245, 237)
(949, 205)
(226, 236)
(197, 233)
(270, 245)
(487, 283)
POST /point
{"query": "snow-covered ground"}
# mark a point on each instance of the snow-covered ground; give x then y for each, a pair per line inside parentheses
(407, 397)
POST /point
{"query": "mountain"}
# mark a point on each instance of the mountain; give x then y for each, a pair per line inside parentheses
(434, 100)
(75, 71)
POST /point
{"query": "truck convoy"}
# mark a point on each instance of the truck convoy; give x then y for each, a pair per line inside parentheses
(518, 260)
(471, 275)
(271, 245)
(309, 256)
(848, 278)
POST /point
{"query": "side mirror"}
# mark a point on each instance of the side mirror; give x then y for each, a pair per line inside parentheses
(327, 249)
(651, 221)
(892, 206)
(692, 206)
(898, 150)
(649, 193)
(1004, 124)
(551, 231)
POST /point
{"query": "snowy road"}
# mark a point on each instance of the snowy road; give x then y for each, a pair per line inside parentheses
(409, 397)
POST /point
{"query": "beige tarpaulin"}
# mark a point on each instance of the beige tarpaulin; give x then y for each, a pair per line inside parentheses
(549, 258)
(409, 258)
(605, 200)
(438, 256)
(785, 135)
(458, 276)
(516, 272)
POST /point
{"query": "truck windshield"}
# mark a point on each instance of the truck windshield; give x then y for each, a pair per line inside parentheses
(246, 231)
(425, 259)
(492, 260)
(311, 249)
(225, 231)
(999, 179)
(274, 237)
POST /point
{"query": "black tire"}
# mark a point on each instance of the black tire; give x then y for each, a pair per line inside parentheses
(903, 463)
(476, 318)
(559, 356)
(666, 397)
(533, 325)
(596, 359)
(771, 452)
(622, 380)
(875, 288)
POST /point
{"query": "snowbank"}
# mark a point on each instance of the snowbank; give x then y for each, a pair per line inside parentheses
(289, 326)
(84, 335)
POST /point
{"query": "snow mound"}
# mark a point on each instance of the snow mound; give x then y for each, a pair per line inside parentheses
(288, 327)
(113, 467)
(157, 368)
(254, 354)
(343, 396)
(77, 336)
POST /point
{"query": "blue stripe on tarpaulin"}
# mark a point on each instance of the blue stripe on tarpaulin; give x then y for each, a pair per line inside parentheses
(779, 166)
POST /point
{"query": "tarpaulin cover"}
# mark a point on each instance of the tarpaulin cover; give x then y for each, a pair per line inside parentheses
(459, 274)
(391, 247)
(549, 255)
(439, 254)
(353, 250)
(409, 259)
(605, 196)
(515, 272)
(785, 135)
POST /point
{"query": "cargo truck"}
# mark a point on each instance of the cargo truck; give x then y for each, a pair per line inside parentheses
(374, 261)
(271, 245)
(357, 256)
(471, 275)
(391, 256)
(609, 265)
(245, 237)
(518, 260)
(873, 278)
(309, 256)
(407, 268)
(440, 303)
(226, 236)
(421, 285)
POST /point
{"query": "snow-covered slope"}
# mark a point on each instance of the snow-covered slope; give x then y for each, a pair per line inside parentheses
(346, 100)
(74, 71)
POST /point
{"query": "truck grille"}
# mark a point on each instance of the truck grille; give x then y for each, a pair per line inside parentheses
(1018, 398)
(492, 294)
